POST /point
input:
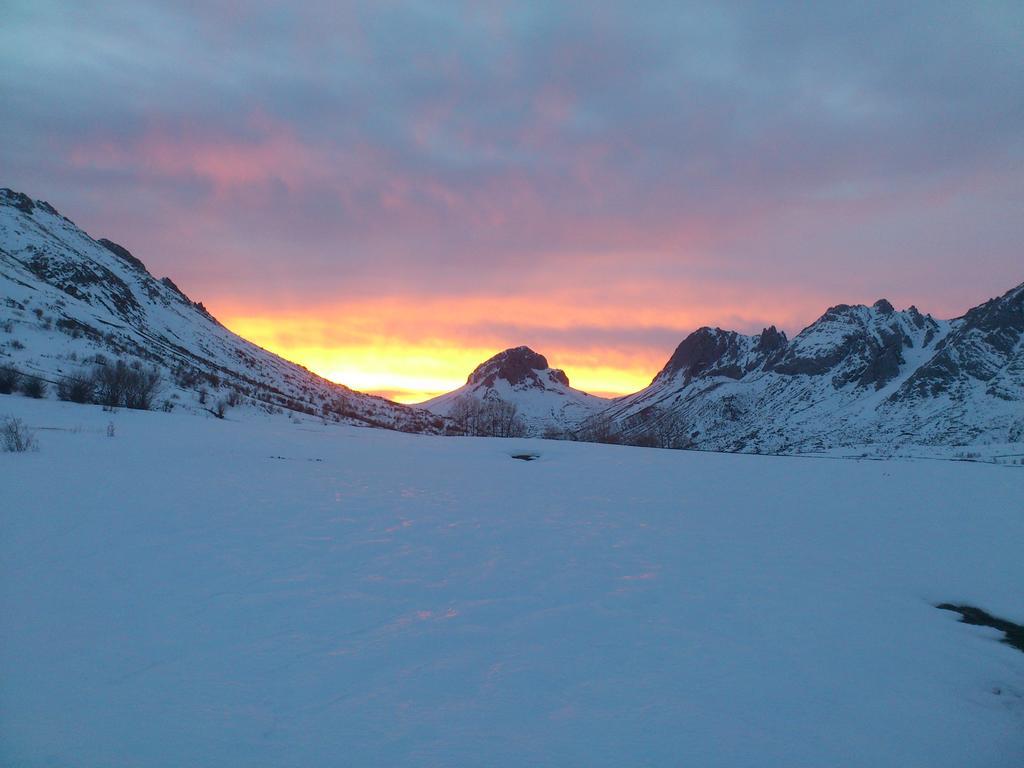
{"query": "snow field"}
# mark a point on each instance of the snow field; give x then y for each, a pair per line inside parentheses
(260, 593)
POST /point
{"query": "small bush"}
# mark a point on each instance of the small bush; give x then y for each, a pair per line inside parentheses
(122, 385)
(10, 380)
(33, 387)
(15, 437)
(77, 388)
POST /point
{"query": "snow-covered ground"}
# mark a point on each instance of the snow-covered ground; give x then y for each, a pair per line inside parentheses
(257, 592)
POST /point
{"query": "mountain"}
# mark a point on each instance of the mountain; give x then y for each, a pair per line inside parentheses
(69, 303)
(73, 308)
(857, 376)
(542, 396)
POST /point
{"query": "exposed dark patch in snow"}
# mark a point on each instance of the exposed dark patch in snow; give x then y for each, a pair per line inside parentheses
(1013, 634)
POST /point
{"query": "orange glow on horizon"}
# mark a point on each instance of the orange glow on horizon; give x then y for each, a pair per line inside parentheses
(410, 349)
(412, 373)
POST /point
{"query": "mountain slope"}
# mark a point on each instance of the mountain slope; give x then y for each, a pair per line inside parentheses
(858, 375)
(70, 302)
(543, 398)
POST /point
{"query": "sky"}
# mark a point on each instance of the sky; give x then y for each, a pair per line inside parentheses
(389, 193)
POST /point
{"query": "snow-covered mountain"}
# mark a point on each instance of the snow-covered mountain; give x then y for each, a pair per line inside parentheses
(543, 398)
(857, 376)
(69, 303)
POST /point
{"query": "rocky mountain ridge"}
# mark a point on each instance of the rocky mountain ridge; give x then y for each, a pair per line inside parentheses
(858, 376)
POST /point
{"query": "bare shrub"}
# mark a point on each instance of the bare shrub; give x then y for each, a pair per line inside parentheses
(489, 417)
(656, 427)
(143, 386)
(125, 385)
(32, 386)
(15, 437)
(10, 380)
(220, 408)
(77, 388)
(599, 429)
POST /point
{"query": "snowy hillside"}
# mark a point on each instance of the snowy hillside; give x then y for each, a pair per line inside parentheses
(542, 395)
(858, 376)
(66, 299)
(202, 592)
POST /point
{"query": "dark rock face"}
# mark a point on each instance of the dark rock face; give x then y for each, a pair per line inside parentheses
(770, 340)
(703, 352)
(797, 365)
(883, 361)
(171, 284)
(558, 375)
(18, 200)
(983, 345)
(123, 253)
(711, 352)
(517, 366)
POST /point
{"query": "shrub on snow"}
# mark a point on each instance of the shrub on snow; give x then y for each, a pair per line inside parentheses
(15, 437)
(10, 380)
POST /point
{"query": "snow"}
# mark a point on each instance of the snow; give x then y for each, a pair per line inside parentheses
(258, 592)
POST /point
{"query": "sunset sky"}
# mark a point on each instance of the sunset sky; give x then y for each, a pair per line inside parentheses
(389, 193)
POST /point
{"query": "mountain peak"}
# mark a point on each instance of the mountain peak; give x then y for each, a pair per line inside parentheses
(23, 202)
(517, 366)
(771, 339)
(542, 396)
(710, 352)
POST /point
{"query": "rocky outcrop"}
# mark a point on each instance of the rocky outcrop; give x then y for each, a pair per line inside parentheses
(985, 348)
(520, 367)
(857, 344)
